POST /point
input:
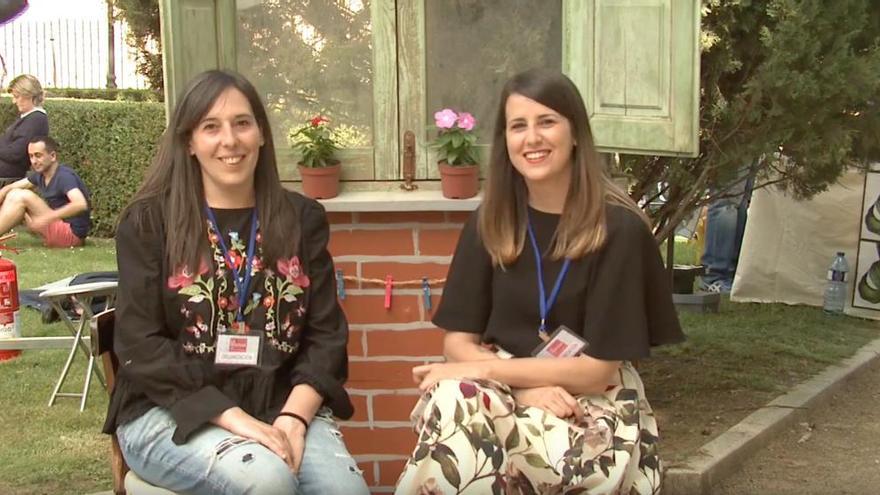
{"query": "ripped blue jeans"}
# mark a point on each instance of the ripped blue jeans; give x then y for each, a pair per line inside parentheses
(214, 461)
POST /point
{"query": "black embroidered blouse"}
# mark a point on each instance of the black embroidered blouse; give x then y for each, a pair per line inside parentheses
(167, 321)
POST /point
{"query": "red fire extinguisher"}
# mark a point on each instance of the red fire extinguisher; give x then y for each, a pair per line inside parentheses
(10, 326)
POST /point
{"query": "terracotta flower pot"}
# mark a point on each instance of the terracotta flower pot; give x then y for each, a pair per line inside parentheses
(459, 182)
(321, 182)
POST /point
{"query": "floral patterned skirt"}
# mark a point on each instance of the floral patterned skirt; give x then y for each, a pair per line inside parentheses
(474, 438)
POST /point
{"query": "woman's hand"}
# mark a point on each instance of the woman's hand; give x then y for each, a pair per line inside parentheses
(295, 432)
(555, 400)
(429, 374)
(243, 424)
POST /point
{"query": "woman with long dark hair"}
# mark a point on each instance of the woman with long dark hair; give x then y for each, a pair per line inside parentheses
(231, 343)
(556, 286)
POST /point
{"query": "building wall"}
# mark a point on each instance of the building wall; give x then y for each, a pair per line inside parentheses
(385, 344)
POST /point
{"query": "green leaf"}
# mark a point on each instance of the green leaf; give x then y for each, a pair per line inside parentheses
(452, 157)
(497, 458)
(472, 439)
(191, 290)
(605, 464)
(458, 416)
(250, 306)
(537, 461)
(533, 430)
(448, 464)
(421, 452)
(512, 440)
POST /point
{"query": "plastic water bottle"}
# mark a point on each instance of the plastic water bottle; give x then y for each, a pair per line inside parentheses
(835, 288)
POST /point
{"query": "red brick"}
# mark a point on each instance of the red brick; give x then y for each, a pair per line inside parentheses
(389, 472)
(401, 216)
(371, 242)
(438, 242)
(367, 468)
(349, 269)
(360, 407)
(355, 343)
(428, 342)
(371, 309)
(381, 374)
(338, 217)
(406, 272)
(393, 407)
(362, 440)
(457, 216)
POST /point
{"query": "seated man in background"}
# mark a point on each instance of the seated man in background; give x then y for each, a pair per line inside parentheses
(60, 213)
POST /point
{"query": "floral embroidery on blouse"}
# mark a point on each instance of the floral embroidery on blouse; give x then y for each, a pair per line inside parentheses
(212, 304)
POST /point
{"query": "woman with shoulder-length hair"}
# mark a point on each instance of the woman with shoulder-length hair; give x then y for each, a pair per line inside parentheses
(555, 287)
(27, 94)
(231, 343)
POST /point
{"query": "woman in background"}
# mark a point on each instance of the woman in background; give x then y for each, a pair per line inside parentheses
(27, 94)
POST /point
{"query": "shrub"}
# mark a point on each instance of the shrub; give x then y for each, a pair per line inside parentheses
(108, 143)
(125, 94)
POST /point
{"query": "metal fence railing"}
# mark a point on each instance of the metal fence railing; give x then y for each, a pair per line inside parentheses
(67, 53)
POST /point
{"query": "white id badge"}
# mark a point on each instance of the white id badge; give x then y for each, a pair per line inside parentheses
(237, 350)
(562, 343)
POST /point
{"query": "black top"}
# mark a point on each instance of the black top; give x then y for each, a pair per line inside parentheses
(618, 298)
(13, 143)
(55, 195)
(166, 322)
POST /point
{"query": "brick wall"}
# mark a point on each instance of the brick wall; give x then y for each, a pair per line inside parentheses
(385, 344)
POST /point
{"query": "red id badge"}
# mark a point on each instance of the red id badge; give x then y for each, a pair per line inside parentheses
(235, 349)
(562, 343)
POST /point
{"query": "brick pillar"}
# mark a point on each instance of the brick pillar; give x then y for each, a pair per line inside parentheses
(385, 344)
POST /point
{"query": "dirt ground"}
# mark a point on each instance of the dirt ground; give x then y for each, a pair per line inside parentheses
(833, 450)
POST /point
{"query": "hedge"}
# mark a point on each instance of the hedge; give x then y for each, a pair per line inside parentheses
(108, 143)
(119, 94)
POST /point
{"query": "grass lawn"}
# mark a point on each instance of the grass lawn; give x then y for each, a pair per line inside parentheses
(738, 360)
(51, 449)
(732, 363)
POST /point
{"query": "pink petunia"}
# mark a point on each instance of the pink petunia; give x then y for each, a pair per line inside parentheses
(291, 269)
(466, 121)
(445, 119)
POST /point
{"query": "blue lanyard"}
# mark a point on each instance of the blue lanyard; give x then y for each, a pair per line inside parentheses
(545, 303)
(241, 286)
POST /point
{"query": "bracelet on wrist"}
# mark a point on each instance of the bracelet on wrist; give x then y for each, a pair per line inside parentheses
(296, 417)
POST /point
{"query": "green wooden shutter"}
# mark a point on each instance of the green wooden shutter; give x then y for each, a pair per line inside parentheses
(637, 64)
(197, 35)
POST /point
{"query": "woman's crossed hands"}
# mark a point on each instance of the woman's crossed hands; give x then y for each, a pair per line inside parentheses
(271, 436)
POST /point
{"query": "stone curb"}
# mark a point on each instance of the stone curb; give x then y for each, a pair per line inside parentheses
(725, 454)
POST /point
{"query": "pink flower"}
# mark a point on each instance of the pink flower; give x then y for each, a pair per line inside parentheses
(466, 121)
(445, 118)
(182, 277)
(318, 120)
(293, 271)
